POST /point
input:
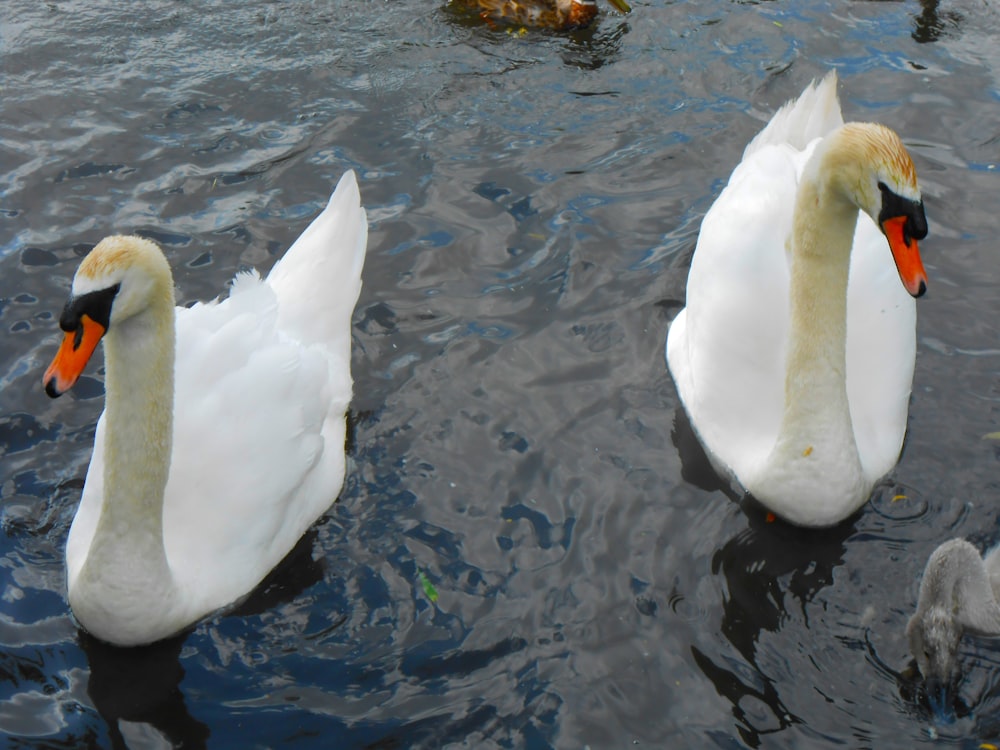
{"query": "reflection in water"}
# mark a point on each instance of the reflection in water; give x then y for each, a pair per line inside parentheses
(136, 690)
(736, 691)
(930, 24)
(297, 572)
(696, 469)
(142, 686)
(767, 561)
(593, 48)
(762, 565)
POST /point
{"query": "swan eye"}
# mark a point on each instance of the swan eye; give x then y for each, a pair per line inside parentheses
(894, 205)
(96, 305)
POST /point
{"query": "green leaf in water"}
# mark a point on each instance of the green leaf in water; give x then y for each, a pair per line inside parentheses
(429, 591)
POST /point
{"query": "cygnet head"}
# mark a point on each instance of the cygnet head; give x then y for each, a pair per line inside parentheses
(956, 597)
(119, 279)
(934, 635)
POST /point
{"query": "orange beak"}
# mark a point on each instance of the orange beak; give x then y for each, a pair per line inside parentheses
(907, 256)
(75, 351)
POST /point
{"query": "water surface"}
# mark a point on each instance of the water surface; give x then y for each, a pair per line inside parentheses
(515, 436)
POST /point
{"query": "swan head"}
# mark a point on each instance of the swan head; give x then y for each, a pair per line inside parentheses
(934, 635)
(119, 279)
(871, 164)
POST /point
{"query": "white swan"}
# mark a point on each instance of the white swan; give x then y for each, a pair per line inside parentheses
(959, 594)
(794, 354)
(209, 465)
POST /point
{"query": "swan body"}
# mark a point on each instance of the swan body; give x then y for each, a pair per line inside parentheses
(223, 434)
(959, 593)
(794, 353)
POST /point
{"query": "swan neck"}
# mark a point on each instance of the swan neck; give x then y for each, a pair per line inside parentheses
(823, 233)
(139, 383)
(816, 436)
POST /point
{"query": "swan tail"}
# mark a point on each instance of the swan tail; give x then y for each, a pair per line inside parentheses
(800, 121)
(317, 282)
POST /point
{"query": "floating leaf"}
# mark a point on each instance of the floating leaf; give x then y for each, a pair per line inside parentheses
(988, 746)
(991, 436)
(778, 24)
(898, 497)
(429, 591)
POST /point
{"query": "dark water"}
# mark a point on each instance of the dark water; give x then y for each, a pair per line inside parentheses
(534, 201)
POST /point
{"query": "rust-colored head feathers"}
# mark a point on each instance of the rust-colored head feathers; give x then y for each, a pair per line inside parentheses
(136, 264)
(882, 148)
(112, 254)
